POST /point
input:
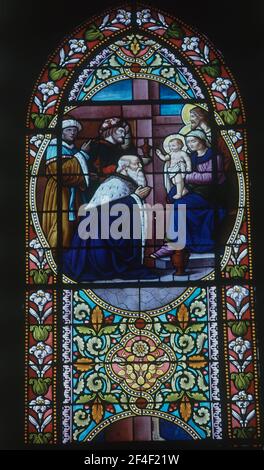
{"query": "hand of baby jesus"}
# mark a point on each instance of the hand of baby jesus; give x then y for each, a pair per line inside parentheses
(164, 158)
(159, 153)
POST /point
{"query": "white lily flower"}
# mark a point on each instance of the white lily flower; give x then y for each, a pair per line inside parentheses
(48, 89)
(191, 44)
(221, 85)
(40, 298)
(123, 17)
(77, 46)
(40, 405)
(37, 140)
(235, 136)
(239, 346)
(144, 16)
(242, 400)
(237, 293)
(241, 238)
(40, 351)
(36, 245)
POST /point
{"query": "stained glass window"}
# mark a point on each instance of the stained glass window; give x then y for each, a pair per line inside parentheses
(140, 318)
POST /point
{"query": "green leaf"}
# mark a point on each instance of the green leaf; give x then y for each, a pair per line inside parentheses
(172, 328)
(85, 330)
(40, 276)
(197, 396)
(238, 328)
(238, 271)
(40, 332)
(57, 73)
(93, 33)
(110, 398)
(174, 31)
(47, 437)
(244, 433)
(213, 69)
(242, 380)
(195, 328)
(174, 396)
(41, 121)
(230, 116)
(85, 399)
(108, 330)
(234, 271)
(40, 386)
(40, 438)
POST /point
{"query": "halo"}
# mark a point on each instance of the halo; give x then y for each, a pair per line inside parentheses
(171, 137)
(187, 109)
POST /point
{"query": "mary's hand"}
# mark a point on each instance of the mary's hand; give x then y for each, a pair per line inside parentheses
(143, 192)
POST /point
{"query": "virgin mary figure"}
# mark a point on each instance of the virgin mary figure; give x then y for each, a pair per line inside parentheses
(204, 202)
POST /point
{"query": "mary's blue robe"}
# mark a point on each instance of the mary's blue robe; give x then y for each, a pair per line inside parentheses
(204, 209)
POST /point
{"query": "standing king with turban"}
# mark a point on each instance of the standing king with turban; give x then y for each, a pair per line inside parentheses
(75, 181)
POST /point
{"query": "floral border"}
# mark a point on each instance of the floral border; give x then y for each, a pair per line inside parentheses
(241, 366)
(41, 367)
(196, 49)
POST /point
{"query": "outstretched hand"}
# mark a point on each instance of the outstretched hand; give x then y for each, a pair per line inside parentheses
(86, 146)
(158, 152)
(143, 192)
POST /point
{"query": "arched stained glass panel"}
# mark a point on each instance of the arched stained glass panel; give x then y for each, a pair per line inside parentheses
(140, 300)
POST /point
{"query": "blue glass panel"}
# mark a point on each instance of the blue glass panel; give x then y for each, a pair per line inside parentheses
(171, 109)
(167, 93)
(117, 91)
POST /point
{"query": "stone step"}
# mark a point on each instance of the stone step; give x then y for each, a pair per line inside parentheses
(196, 260)
(163, 263)
(201, 260)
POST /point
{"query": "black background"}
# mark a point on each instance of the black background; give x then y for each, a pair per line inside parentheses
(29, 32)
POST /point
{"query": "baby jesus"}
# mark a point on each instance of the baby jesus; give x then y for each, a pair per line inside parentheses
(177, 164)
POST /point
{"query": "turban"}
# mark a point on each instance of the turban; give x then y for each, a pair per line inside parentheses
(110, 124)
(71, 123)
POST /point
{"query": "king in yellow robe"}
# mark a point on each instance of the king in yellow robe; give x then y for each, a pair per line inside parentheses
(74, 182)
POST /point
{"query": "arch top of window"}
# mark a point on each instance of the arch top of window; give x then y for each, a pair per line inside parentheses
(134, 57)
(131, 42)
